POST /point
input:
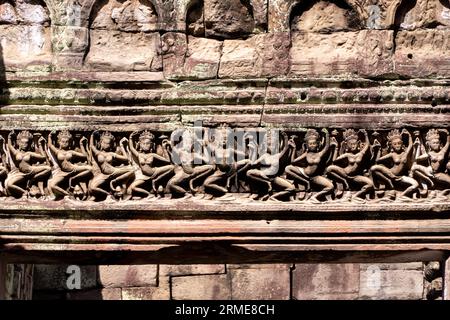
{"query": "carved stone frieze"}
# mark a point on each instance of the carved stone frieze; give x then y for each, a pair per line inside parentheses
(308, 165)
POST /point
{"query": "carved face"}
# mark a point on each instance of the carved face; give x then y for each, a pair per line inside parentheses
(312, 144)
(106, 143)
(397, 144)
(435, 145)
(64, 143)
(24, 144)
(352, 145)
(146, 144)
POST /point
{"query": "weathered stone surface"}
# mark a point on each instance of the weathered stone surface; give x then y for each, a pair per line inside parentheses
(260, 55)
(127, 16)
(377, 283)
(324, 16)
(191, 57)
(228, 19)
(422, 53)
(193, 269)
(418, 266)
(128, 276)
(271, 266)
(54, 277)
(348, 53)
(105, 44)
(323, 282)
(207, 287)
(260, 284)
(162, 292)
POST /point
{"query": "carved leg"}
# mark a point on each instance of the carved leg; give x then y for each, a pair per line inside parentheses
(414, 185)
(212, 182)
(81, 175)
(326, 184)
(367, 186)
(121, 176)
(135, 187)
(161, 173)
(286, 186)
(12, 186)
(200, 172)
(443, 179)
(383, 173)
(257, 175)
(339, 174)
(297, 174)
(174, 183)
(95, 188)
(55, 188)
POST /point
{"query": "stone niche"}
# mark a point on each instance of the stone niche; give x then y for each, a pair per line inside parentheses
(328, 39)
(124, 36)
(230, 32)
(211, 24)
(224, 19)
(423, 38)
(25, 35)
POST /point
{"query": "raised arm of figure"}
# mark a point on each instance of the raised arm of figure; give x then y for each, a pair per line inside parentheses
(327, 142)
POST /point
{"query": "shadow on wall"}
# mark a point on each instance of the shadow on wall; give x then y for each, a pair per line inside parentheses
(4, 92)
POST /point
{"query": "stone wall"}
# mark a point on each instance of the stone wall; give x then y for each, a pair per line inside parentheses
(304, 55)
(16, 281)
(237, 282)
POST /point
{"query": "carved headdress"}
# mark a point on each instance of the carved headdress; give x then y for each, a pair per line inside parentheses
(25, 135)
(394, 134)
(146, 135)
(64, 134)
(312, 134)
(108, 135)
(350, 134)
(432, 134)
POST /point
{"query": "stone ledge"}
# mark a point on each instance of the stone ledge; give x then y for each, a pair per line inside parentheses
(239, 208)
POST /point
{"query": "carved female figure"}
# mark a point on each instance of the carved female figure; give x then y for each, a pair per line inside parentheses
(307, 168)
(30, 166)
(153, 166)
(435, 160)
(113, 168)
(229, 162)
(394, 166)
(269, 168)
(189, 167)
(72, 169)
(348, 167)
(3, 165)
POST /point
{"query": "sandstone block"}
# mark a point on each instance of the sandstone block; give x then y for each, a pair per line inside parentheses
(201, 287)
(181, 270)
(162, 292)
(325, 281)
(112, 50)
(379, 284)
(190, 57)
(422, 53)
(128, 276)
(260, 55)
(260, 284)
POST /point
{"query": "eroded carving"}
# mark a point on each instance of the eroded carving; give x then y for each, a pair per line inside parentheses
(25, 34)
(123, 36)
(351, 165)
